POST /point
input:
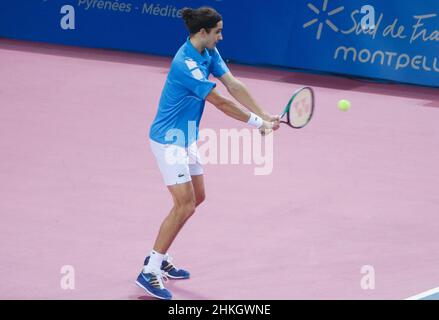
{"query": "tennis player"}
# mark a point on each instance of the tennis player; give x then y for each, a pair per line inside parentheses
(181, 106)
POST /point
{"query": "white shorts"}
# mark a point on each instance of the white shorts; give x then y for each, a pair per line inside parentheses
(177, 164)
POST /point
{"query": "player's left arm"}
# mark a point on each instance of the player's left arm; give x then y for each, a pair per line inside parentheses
(239, 91)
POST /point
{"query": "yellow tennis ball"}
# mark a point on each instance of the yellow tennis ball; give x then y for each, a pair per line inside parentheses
(344, 105)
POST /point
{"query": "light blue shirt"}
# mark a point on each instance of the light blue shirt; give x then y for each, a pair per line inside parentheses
(184, 95)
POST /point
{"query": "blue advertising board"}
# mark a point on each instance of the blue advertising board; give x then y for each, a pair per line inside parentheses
(399, 43)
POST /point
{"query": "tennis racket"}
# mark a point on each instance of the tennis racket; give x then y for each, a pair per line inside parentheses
(299, 110)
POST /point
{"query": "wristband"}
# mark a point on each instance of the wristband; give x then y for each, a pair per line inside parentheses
(255, 120)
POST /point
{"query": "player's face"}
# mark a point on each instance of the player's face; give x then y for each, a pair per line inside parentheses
(214, 36)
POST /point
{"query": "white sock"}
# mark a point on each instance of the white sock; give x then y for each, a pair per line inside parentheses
(155, 261)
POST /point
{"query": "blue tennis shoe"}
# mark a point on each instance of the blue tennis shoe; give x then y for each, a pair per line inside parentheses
(152, 283)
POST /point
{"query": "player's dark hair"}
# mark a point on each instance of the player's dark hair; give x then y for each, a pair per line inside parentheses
(197, 19)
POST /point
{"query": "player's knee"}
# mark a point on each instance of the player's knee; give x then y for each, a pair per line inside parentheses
(189, 210)
(186, 209)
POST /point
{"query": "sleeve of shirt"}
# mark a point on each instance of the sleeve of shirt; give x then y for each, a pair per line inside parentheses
(218, 66)
(192, 78)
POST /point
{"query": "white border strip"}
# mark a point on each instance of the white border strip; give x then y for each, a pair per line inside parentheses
(424, 294)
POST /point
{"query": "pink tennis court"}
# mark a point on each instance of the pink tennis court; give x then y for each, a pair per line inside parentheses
(349, 211)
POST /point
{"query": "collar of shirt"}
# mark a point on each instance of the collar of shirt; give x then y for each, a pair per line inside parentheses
(203, 59)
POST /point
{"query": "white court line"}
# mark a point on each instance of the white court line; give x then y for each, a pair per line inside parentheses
(424, 294)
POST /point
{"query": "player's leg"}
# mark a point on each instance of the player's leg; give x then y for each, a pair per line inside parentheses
(175, 172)
(196, 173)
